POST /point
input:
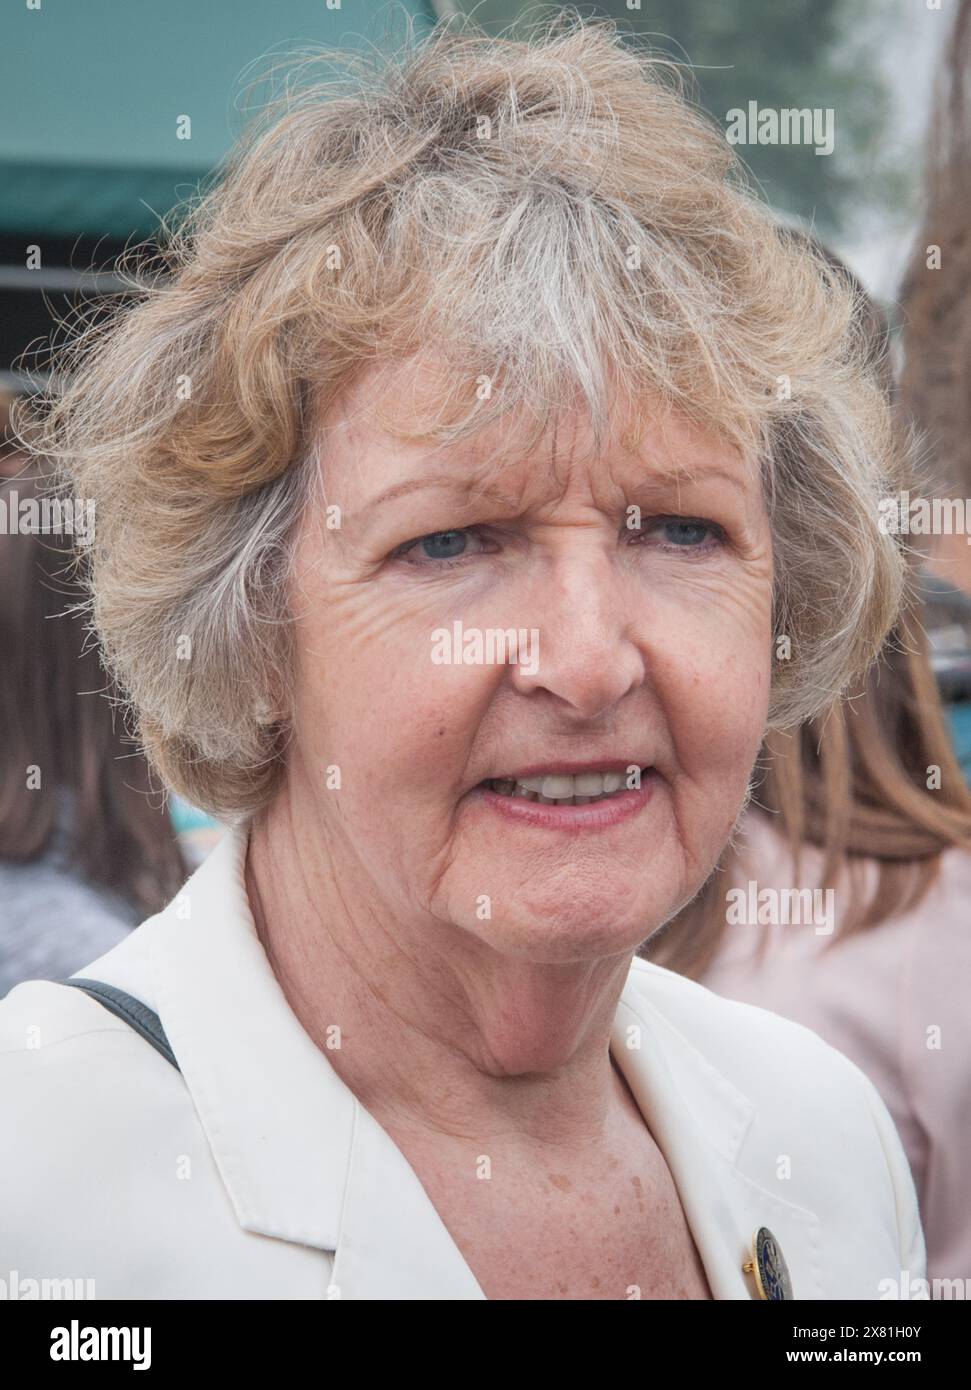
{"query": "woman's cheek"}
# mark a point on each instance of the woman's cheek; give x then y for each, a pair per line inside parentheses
(715, 688)
(416, 736)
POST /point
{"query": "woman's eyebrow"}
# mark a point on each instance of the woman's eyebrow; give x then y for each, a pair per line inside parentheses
(474, 492)
(681, 477)
(445, 482)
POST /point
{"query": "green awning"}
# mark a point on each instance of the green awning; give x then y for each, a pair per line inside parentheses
(93, 90)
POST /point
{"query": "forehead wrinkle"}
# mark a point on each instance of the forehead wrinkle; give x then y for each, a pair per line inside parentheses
(477, 489)
(478, 462)
(660, 462)
(473, 487)
(680, 475)
(473, 467)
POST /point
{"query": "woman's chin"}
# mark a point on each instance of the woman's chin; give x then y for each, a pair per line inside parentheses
(566, 932)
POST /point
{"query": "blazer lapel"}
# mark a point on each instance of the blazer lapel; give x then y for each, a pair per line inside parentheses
(699, 1120)
(302, 1160)
(300, 1157)
(393, 1244)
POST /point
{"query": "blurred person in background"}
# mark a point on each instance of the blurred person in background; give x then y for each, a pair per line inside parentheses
(846, 805)
(375, 792)
(86, 846)
(871, 803)
(935, 299)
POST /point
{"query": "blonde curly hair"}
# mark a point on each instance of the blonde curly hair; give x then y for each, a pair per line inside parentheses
(559, 220)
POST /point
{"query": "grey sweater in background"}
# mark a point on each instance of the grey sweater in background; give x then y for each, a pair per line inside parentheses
(52, 922)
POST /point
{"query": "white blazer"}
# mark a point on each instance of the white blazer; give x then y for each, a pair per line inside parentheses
(256, 1173)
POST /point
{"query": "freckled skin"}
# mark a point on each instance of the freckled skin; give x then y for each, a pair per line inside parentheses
(472, 1032)
(655, 652)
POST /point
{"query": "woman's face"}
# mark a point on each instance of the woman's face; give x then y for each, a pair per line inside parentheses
(643, 641)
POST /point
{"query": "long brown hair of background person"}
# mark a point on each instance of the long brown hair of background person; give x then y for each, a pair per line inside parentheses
(854, 782)
(855, 786)
(55, 716)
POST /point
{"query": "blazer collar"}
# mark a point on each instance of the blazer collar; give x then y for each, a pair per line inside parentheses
(303, 1161)
(699, 1120)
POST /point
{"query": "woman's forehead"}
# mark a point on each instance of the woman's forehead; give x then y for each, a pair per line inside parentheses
(368, 458)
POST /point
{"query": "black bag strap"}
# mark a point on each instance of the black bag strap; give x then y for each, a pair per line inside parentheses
(136, 1014)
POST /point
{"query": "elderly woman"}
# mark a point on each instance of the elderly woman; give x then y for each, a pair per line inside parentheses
(483, 477)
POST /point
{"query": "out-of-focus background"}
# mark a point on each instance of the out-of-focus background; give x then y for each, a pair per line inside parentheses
(113, 113)
(92, 152)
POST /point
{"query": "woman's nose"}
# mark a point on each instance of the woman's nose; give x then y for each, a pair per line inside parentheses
(585, 653)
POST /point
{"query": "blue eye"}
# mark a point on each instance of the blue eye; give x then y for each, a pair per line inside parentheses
(686, 533)
(443, 545)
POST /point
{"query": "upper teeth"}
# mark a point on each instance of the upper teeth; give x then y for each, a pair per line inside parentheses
(561, 788)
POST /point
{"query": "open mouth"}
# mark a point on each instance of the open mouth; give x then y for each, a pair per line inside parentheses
(566, 790)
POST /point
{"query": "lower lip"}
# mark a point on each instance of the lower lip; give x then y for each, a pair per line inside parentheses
(597, 815)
